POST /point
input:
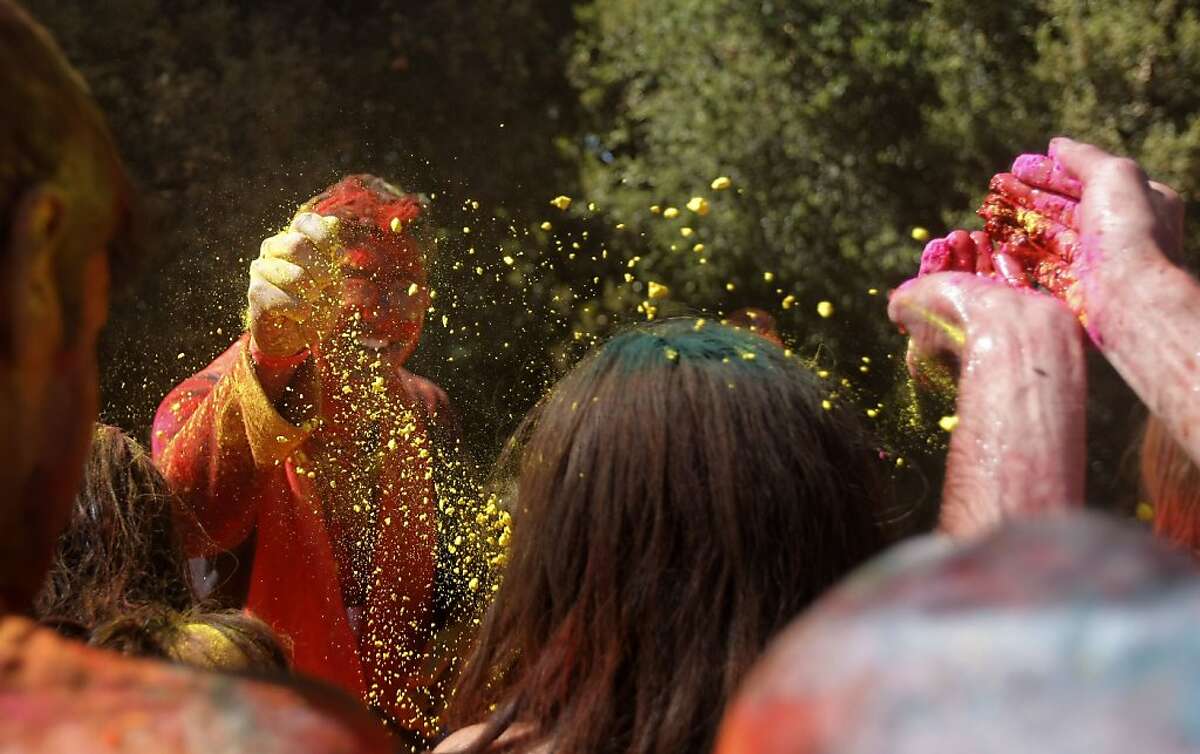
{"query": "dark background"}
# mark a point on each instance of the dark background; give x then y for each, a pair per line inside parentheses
(843, 124)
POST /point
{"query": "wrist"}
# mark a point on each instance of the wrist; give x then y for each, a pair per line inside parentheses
(277, 362)
(1124, 303)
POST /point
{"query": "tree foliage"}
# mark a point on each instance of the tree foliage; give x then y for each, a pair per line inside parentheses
(841, 124)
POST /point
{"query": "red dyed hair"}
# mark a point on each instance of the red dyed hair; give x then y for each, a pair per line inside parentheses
(378, 215)
(1172, 483)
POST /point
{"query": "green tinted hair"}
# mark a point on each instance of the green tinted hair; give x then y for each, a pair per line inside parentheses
(679, 496)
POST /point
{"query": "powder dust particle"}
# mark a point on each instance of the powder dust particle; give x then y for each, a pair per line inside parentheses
(671, 213)
(657, 291)
(721, 183)
(1144, 512)
(546, 226)
(920, 234)
(699, 205)
(948, 423)
(562, 202)
(788, 302)
(825, 309)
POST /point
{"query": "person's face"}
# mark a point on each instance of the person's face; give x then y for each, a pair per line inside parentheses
(383, 305)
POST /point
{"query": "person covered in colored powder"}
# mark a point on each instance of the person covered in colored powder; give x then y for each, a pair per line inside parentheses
(65, 219)
(1043, 629)
(310, 437)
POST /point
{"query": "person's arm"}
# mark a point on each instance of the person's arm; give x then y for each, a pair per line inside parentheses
(1018, 447)
(216, 437)
(219, 436)
(1142, 311)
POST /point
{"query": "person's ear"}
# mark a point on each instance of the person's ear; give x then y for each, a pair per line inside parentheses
(32, 306)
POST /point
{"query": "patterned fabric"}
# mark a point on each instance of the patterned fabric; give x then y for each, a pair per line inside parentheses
(345, 518)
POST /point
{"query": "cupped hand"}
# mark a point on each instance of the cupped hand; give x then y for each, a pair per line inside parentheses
(1082, 221)
(951, 317)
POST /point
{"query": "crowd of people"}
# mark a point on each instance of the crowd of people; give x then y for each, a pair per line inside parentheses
(688, 543)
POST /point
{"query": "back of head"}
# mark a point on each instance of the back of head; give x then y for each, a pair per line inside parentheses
(120, 551)
(222, 640)
(682, 494)
(51, 130)
(1063, 635)
(64, 212)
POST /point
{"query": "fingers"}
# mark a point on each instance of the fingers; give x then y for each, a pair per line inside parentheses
(983, 253)
(1046, 173)
(930, 309)
(321, 230)
(1043, 202)
(935, 257)
(962, 251)
(269, 301)
(297, 249)
(1087, 162)
(956, 252)
(287, 277)
(1008, 264)
(310, 243)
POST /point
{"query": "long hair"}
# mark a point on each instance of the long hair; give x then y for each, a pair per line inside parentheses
(120, 551)
(682, 494)
(1172, 483)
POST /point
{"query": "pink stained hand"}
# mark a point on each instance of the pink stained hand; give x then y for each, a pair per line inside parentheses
(1018, 447)
(1099, 221)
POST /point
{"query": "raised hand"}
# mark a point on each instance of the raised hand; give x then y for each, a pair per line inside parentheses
(1018, 448)
(294, 294)
(1080, 222)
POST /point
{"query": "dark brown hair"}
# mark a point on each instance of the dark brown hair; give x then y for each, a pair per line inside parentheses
(682, 494)
(120, 551)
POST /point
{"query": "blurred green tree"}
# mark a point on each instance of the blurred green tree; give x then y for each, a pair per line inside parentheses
(840, 123)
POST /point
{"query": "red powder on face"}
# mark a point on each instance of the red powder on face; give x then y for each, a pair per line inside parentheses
(384, 265)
